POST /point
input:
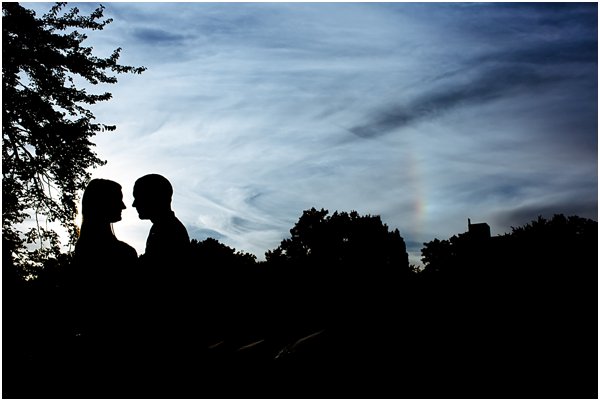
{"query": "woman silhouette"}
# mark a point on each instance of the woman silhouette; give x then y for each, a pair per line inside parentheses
(99, 283)
(101, 205)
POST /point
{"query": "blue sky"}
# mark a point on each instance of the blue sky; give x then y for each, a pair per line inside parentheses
(423, 113)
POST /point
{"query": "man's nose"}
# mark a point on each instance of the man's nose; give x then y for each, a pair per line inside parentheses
(123, 205)
(133, 204)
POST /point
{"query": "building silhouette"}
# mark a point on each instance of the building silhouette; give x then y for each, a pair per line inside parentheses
(479, 231)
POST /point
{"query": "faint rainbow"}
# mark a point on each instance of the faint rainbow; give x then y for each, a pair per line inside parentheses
(418, 198)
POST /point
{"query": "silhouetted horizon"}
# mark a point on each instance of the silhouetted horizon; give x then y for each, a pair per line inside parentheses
(339, 295)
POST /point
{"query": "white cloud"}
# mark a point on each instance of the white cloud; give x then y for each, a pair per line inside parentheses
(247, 108)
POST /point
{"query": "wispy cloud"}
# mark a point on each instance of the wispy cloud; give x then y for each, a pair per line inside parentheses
(423, 113)
(157, 37)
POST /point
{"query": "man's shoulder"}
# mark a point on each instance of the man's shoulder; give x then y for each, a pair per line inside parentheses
(168, 242)
(170, 230)
(181, 226)
(175, 225)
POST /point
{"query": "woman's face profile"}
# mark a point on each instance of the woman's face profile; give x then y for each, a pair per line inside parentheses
(115, 206)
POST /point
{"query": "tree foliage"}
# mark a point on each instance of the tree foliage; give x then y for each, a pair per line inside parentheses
(542, 244)
(342, 239)
(47, 124)
(211, 252)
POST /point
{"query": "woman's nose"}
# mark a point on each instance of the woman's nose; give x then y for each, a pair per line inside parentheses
(123, 206)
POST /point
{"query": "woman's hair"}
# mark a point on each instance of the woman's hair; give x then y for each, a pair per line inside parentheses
(97, 195)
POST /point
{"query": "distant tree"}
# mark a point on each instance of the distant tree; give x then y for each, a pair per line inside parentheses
(447, 256)
(211, 251)
(46, 122)
(559, 227)
(342, 239)
(436, 254)
(538, 245)
(556, 243)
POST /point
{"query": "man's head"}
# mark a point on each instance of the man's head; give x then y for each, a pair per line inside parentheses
(152, 195)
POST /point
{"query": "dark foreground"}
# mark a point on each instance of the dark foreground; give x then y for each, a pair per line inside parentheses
(424, 339)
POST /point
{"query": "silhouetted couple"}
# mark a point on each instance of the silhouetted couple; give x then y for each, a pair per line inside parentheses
(113, 295)
(102, 205)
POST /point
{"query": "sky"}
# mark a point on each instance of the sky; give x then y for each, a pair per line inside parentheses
(425, 114)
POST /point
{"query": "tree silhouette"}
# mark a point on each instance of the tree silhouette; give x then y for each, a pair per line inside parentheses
(46, 123)
(436, 254)
(343, 273)
(211, 251)
(570, 239)
(541, 247)
(342, 239)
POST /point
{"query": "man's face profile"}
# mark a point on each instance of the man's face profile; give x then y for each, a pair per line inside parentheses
(152, 196)
(142, 203)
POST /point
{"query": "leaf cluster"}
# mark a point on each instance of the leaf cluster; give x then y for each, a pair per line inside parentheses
(47, 127)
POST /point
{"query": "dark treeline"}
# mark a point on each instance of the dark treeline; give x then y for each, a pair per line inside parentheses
(336, 311)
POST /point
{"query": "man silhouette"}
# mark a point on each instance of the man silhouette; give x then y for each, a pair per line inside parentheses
(168, 240)
(162, 280)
